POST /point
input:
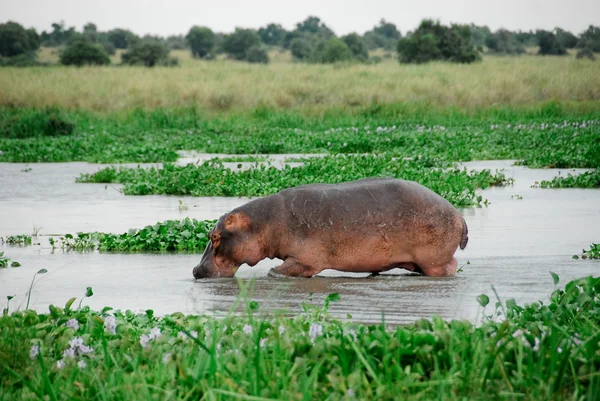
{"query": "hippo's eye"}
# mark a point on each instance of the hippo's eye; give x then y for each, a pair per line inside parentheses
(214, 237)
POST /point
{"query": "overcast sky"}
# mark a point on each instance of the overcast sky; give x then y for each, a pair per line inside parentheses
(166, 17)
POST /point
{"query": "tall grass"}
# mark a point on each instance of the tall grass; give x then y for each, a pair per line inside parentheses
(226, 85)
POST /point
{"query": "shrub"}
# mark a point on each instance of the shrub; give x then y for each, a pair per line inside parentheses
(147, 52)
(272, 34)
(331, 51)
(109, 48)
(237, 44)
(549, 44)
(48, 122)
(81, 52)
(201, 41)
(357, 46)
(503, 41)
(301, 49)
(16, 40)
(586, 52)
(122, 38)
(433, 41)
(257, 54)
(590, 38)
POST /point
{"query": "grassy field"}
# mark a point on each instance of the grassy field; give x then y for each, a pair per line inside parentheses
(534, 352)
(221, 85)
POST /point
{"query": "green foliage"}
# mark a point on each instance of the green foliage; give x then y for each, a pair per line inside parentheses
(587, 53)
(16, 40)
(590, 39)
(357, 46)
(33, 123)
(592, 253)
(479, 35)
(5, 261)
(333, 50)
(201, 41)
(589, 179)
(122, 38)
(272, 34)
(59, 35)
(549, 44)
(147, 52)
(22, 240)
(536, 351)
(212, 179)
(187, 235)
(314, 26)
(432, 41)
(504, 42)
(81, 52)
(383, 36)
(257, 54)
(301, 49)
(566, 38)
(237, 44)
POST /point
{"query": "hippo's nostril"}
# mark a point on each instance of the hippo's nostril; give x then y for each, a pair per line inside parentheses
(199, 272)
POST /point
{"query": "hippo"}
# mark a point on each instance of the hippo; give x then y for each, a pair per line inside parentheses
(366, 226)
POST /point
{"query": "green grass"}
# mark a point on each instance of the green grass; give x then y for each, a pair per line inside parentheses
(547, 136)
(534, 352)
(589, 179)
(171, 235)
(212, 179)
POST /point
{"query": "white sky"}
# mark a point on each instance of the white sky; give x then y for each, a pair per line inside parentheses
(166, 17)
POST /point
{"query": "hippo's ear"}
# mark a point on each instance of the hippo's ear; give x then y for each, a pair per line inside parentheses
(237, 222)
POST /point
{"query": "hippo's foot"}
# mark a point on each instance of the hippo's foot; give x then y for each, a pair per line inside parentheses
(291, 268)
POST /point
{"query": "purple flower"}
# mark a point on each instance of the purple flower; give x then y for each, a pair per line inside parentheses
(73, 324)
(34, 351)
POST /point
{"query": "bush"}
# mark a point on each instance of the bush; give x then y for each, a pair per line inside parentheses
(122, 38)
(237, 44)
(586, 52)
(81, 52)
(201, 41)
(433, 41)
(148, 53)
(504, 42)
(257, 54)
(357, 46)
(32, 123)
(272, 34)
(301, 49)
(549, 44)
(16, 40)
(109, 48)
(22, 60)
(590, 39)
(331, 51)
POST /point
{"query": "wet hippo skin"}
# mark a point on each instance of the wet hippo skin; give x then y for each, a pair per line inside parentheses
(370, 225)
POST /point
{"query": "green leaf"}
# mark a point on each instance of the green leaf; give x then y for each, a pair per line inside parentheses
(483, 300)
(15, 264)
(42, 271)
(9, 297)
(89, 292)
(69, 303)
(334, 297)
(555, 278)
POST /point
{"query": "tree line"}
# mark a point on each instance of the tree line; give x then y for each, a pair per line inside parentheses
(311, 41)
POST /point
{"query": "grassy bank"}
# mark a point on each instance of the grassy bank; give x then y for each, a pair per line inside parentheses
(213, 179)
(546, 136)
(535, 352)
(230, 86)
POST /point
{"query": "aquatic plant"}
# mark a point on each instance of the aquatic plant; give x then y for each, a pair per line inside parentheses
(170, 235)
(5, 261)
(592, 253)
(588, 179)
(211, 178)
(22, 239)
(539, 351)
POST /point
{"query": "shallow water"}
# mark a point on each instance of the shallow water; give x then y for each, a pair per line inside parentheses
(513, 246)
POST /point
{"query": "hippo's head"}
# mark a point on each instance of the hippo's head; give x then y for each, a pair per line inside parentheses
(233, 241)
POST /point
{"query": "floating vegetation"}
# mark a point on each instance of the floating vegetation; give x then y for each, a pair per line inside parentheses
(211, 178)
(5, 261)
(171, 235)
(588, 179)
(592, 253)
(537, 351)
(22, 240)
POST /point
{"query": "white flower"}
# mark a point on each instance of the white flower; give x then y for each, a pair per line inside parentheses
(194, 334)
(60, 364)
(110, 324)
(81, 364)
(69, 353)
(85, 349)
(76, 342)
(247, 329)
(154, 333)
(166, 358)
(314, 331)
(263, 341)
(183, 335)
(73, 324)
(350, 393)
(536, 346)
(144, 340)
(352, 332)
(281, 330)
(577, 340)
(34, 351)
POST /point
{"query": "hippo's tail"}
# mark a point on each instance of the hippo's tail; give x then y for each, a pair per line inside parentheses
(465, 235)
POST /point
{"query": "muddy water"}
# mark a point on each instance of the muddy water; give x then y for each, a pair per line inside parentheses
(513, 246)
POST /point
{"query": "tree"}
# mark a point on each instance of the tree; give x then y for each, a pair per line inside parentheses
(201, 41)
(586, 52)
(177, 42)
(480, 35)
(122, 38)
(357, 46)
(590, 39)
(147, 52)
(16, 40)
(387, 30)
(301, 49)
(433, 41)
(59, 35)
(82, 52)
(90, 30)
(237, 44)
(331, 51)
(549, 44)
(257, 54)
(272, 34)
(566, 38)
(314, 25)
(382, 36)
(504, 42)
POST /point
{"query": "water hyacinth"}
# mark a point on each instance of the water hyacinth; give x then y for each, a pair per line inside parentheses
(60, 364)
(145, 339)
(72, 324)
(34, 351)
(110, 324)
(314, 331)
(247, 329)
(81, 364)
(166, 358)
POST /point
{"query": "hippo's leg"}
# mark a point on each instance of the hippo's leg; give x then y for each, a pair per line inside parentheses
(291, 268)
(439, 269)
